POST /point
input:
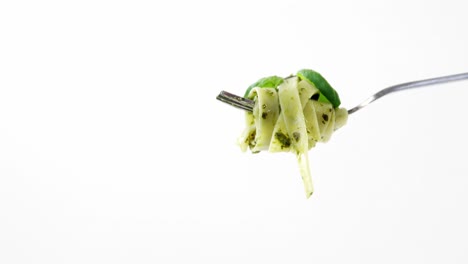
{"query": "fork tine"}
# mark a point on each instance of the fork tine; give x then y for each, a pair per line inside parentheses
(236, 101)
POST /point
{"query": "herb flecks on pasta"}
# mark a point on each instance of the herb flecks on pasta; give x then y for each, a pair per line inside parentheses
(291, 115)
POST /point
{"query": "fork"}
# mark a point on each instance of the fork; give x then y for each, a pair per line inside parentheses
(248, 105)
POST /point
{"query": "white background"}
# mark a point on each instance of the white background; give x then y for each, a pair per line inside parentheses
(113, 148)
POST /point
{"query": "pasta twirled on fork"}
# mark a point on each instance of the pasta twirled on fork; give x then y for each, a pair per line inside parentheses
(289, 118)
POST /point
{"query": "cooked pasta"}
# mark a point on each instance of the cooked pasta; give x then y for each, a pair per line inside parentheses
(290, 117)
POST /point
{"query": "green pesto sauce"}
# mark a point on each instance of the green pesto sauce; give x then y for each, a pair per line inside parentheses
(283, 139)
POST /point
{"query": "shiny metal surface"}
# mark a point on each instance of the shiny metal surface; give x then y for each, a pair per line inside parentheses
(246, 104)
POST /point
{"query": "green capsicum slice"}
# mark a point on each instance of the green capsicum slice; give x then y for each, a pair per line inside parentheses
(328, 94)
(267, 82)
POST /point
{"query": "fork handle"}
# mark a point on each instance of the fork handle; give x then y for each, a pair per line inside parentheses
(410, 85)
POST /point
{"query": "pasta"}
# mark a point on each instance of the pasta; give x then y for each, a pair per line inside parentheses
(291, 115)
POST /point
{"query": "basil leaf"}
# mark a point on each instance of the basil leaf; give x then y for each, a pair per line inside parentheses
(329, 94)
(267, 82)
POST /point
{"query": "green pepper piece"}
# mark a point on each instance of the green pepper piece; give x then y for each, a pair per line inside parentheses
(267, 82)
(329, 94)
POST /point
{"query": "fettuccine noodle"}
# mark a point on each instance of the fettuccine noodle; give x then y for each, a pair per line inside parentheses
(286, 119)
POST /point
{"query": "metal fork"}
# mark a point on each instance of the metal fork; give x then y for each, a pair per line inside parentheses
(248, 105)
